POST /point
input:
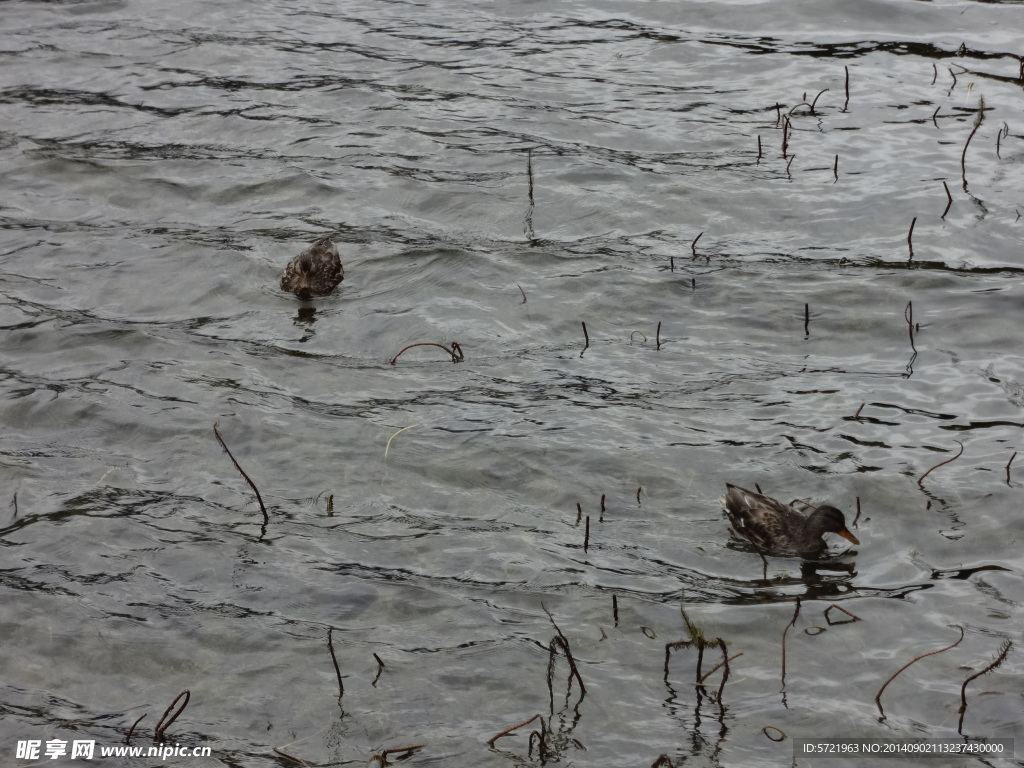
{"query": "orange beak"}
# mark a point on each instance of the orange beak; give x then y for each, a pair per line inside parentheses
(848, 536)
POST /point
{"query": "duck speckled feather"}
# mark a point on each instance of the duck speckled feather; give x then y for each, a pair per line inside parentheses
(777, 528)
(314, 272)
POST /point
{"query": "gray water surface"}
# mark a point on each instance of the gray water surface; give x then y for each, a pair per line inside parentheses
(163, 161)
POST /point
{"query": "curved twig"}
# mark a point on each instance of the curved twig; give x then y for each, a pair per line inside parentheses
(878, 696)
(266, 517)
(1007, 645)
(455, 351)
(941, 463)
(161, 726)
(507, 731)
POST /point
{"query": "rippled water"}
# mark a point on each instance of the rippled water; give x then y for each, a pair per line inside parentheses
(498, 175)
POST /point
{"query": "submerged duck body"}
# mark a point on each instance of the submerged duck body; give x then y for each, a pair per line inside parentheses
(314, 272)
(777, 528)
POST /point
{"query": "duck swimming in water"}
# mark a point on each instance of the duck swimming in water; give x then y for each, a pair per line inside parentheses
(314, 272)
(777, 528)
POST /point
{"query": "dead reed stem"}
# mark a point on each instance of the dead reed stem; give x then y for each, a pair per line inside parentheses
(586, 535)
(1008, 467)
(266, 517)
(455, 351)
(657, 339)
(878, 695)
(334, 659)
(977, 124)
(693, 245)
(586, 339)
(293, 758)
(792, 622)
(1004, 650)
(949, 198)
(162, 726)
(507, 731)
(942, 463)
(910, 237)
(128, 738)
(847, 102)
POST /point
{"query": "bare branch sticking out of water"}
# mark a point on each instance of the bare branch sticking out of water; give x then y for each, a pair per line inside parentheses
(828, 619)
(796, 612)
(942, 463)
(857, 517)
(380, 669)
(507, 731)
(293, 758)
(1000, 658)
(693, 245)
(615, 609)
(949, 199)
(657, 338)
(878, 696)
(639, 490)
(128, 738)
(455, 352)
(825, 90)
(162, 726)
(579, 512)
(586, 339)
(1008, 467)
(601, 518)
(266, 517)
(522, 292)
(835, 170)
(529, 173)
(1004, 132)
(334, 659)
(910, 237)
(586, 535)
(857, 414)
(847, 102)
(759, 152)
(382, 757)
(978, 120)
(935, 73)
(807, 319)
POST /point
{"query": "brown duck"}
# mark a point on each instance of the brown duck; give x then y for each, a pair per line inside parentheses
(777, 528)
(314, 272)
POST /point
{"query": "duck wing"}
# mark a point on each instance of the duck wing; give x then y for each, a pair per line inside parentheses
(765, 522)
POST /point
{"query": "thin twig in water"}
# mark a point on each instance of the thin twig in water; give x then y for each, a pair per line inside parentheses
(293, 758)
(1004, 650)
(161, 726)
(977, 124)
(835, 170)
(949, 198)
(847, 102)
(1008, 467)
(759, 153)
(586, 339)
(857, 414)
(586, 535)
(807, 319)
(522, 292)
(334, 659)
(910, 237)
(128, 738)
(248, 479)
(693, 245)
(657, 338)
(387, 446)
(1003, 133)
(796, 612)
(455, 351)
(942, 463)
(819, 96)
(828, 619)
(878, 695)
(529, 173)
(507, 731)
